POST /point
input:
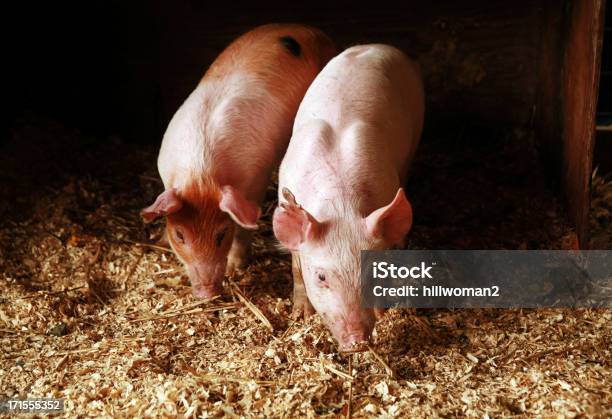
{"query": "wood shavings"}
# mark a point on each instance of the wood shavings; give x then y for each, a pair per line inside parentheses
(349, 406)
(150, 246)
(381, 361)
(336, 371)
(219, 378)
(257, 312)
(186, 312)
(472, 358)
(141, 349)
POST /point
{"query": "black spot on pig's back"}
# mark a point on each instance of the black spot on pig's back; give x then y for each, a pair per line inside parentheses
(291, 45)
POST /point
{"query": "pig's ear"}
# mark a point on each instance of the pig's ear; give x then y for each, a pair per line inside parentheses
(292, 224)
(391, 222)
(167, 202)
(244, 212)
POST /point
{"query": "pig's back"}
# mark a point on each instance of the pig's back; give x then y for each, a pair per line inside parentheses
(376, 84)
(236, 123)
(280, 55)
(362, 119)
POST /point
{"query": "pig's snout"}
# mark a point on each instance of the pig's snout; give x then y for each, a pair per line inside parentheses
(354, 342)
(354, 332)
(206, 291)
(206, 280)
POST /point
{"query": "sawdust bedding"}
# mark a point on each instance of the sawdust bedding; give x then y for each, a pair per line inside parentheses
(92, 312)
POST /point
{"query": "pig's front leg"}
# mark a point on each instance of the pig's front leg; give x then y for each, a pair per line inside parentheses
(240, 252)
(163, 240)
(301, 304)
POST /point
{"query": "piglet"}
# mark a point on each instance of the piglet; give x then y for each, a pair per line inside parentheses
(340, 192)
(223, 143)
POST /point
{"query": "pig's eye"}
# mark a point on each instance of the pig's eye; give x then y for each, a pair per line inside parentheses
(179, 236)
(219, 237)
(323, 283)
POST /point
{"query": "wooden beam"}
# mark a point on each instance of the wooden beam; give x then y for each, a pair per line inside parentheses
(579, 89)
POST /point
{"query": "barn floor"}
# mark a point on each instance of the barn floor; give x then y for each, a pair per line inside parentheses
(91, 312)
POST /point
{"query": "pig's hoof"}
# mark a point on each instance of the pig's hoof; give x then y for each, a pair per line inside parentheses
(302, 308)
(163, 240)
(233, 264)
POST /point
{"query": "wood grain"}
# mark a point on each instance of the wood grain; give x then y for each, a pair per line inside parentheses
(579, 87)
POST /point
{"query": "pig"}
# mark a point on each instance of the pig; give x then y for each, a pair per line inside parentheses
(224, 142)
(340, 182)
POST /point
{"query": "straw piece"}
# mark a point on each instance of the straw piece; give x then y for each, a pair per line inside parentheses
(250, 305)
(182, 313)
(149, 245)
(349, 410)
(337, 371)
(381, 361)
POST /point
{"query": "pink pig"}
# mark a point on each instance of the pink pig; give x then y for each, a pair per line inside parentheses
(354, 137)
(223, 143)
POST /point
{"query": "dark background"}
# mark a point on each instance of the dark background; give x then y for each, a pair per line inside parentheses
(603, 145)
(113, 67)
(502, 79)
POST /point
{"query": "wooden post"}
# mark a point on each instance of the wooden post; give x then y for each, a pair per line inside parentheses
(579, 88)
